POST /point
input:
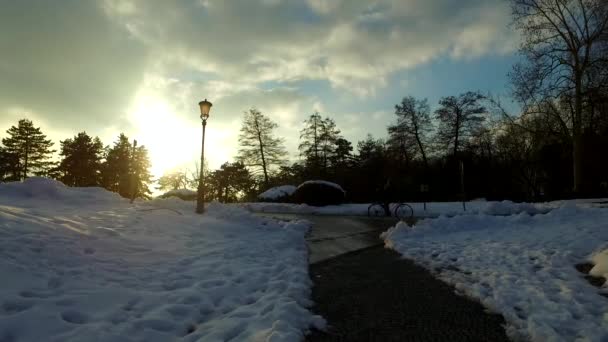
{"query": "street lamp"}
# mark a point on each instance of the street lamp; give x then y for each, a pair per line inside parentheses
(200, 198)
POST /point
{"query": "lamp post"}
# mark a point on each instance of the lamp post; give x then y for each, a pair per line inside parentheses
(205, 106)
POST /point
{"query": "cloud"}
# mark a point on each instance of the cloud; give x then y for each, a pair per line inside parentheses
(354, 45)
(68, 63)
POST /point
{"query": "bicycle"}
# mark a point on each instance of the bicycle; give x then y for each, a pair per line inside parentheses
(401, 211)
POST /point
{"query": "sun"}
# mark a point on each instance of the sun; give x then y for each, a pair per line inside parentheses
(171, 141)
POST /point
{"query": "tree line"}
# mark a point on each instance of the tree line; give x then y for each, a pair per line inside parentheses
(84, 161)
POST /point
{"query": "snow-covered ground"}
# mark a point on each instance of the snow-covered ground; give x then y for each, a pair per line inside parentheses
(522, 266)
(433, 209)
(82, 264)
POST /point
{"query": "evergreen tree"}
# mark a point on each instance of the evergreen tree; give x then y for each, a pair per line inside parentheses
(140, 173)
(342, 155)
(459, 118)
(126, 167)
(81, 162)
(259, 148)
(310, 140)
(230, 183)
(9, 166)
(30, 147)
(328, 139)
(318, 143)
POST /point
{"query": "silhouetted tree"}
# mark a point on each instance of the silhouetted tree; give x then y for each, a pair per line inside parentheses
(231, 183)
(413, 125)
(9, 166)
(29, 145)
(259, 148)
(318, 141)
(81, 160)
(565, 44)
(125, 165)
(310, 140)
(459, 118)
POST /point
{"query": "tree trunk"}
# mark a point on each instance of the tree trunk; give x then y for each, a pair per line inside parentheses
(577, 136)
(263, 159)
(27, 152)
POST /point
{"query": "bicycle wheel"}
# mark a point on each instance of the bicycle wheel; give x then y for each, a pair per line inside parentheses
(375, 210)
(404, 211)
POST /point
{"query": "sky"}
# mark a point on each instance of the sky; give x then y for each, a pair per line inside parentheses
(141, 66)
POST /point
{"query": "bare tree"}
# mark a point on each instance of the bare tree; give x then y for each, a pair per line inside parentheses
(413, 124)
(259, 148)
(564, 44)
(459, 118)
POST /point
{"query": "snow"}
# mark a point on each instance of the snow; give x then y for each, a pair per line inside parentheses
(277, 192)
(522, 266)
(333, 185)
(180, 192)
(83, 264)
(600, 260)
(434, 209)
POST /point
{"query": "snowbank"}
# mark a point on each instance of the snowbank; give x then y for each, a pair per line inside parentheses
(38, 189)
(179, 192)
(277, 192)
(104, 270)
(600, 260)
(434, 209)
(333, 185)
(521, 266)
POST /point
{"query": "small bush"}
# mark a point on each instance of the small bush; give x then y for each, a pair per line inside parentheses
(319, 193)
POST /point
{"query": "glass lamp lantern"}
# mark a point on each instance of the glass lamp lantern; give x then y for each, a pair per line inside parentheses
(205, 108)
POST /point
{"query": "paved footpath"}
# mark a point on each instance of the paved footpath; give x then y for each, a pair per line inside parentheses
(369, 293)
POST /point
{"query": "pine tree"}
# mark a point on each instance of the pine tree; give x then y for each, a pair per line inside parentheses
(140, 173)
(230, 183)
(459, 118)
(126, 167)
(310, 137)
(259, 148)
(318, 143)
(81, 162)
(9, 166)
(31, 147)
(329, 137)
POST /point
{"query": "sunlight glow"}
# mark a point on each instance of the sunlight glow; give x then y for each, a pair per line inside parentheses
(174, 142)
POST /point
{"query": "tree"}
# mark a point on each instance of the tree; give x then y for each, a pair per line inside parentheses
(29, 145)
(310, 139)
(413, 124)
(9, 166)
(230, 183)
(258, 146)
(318, 143)
(342, 155)
(173, 180)
(565, 44)
(81, 160)
(459, 118)
(140, 173)
(126, 168)
(329, 137)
